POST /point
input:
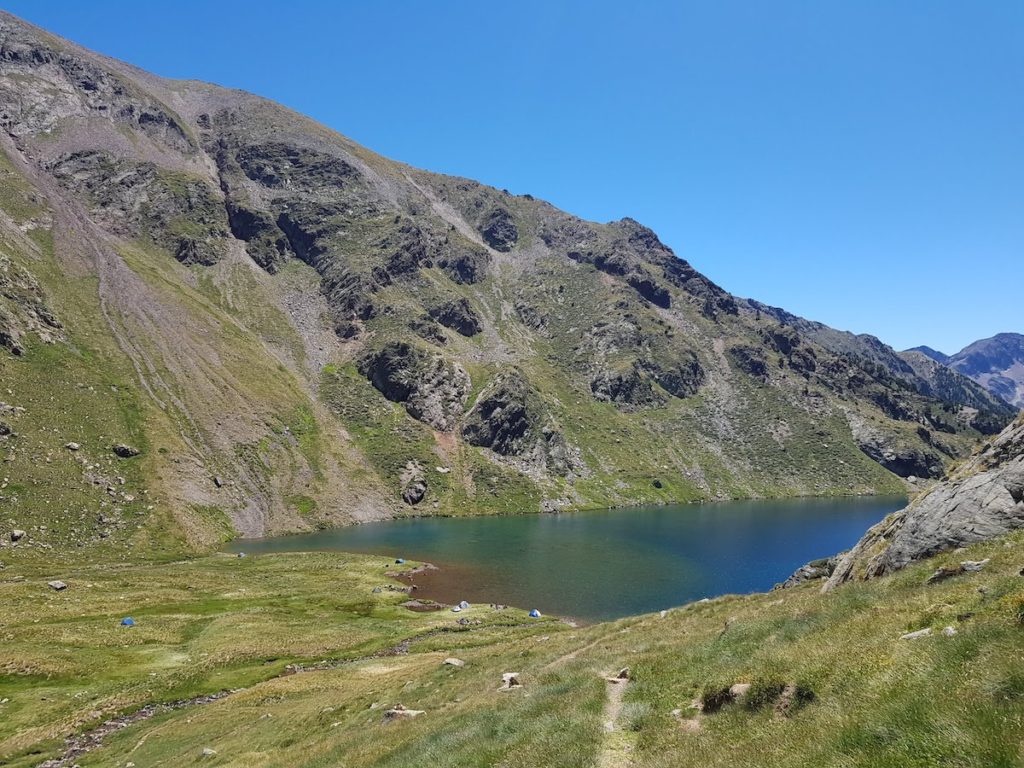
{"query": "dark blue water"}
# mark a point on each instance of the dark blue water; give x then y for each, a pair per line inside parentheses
(610, 563)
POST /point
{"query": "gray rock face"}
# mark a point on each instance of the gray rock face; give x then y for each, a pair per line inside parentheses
(23, 308)
(813, 571)
(71, 86)
(176, 210)
(499, 230)
(511, 420)
(984, 500)
(629, 388)
(432, 389)
(903, 461)
(458, 315)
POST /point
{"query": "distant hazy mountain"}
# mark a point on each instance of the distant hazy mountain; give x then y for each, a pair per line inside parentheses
(996, 363)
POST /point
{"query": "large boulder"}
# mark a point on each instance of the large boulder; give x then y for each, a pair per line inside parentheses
(983, 500)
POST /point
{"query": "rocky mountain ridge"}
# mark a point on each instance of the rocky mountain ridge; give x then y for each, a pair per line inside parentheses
(297, 332)
(997, 363)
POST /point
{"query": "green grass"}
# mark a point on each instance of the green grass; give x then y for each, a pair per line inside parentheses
(216, 623)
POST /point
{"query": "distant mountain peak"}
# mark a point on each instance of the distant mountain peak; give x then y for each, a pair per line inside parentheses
(934, 354)
(997, 363)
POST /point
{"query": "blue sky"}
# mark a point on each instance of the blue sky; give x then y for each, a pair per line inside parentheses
(859, 163)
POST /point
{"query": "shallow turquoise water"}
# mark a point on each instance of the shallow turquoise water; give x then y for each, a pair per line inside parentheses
(609, 563)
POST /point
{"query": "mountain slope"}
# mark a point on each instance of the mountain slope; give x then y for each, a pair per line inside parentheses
(997, 363)
(294, 331)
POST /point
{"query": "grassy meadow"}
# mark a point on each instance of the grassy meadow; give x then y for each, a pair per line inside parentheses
(307, 657)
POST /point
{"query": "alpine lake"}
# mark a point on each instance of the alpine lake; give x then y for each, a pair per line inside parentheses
(605, 564)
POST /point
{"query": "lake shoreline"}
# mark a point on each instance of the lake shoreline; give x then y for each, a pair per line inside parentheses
(605, 564)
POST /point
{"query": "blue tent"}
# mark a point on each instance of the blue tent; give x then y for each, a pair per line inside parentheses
(534, 614)
(400, 560)
(127, 621)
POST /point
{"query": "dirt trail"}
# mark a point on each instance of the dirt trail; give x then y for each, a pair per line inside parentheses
(617, 747)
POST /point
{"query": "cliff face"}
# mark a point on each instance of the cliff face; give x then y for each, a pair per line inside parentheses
(983, 499)
(290, 327)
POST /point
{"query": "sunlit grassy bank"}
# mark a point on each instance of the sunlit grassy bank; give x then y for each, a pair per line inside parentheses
(222, 623)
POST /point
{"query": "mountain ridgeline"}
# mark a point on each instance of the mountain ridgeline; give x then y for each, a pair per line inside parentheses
(290, 331)
(996, 363)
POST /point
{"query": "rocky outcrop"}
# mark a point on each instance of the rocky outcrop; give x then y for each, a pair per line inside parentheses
(816, 570)
(44, 84)
(23, 308)
(463, 262)
(680, 379)
(414, 484)
(428, 329)
(510, 419)
(629, 388)
(498, 230)
(458, 315)
(749, 360)
(175, 210)
(905, 461)
(983, 500)
(432, 389)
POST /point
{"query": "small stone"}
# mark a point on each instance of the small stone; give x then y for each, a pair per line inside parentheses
(972, 566)
(17, 534)
(510, 681)
(207, 752)
(949, 631)
(72, 446)
(621, 677)
(915, 635)
(452, 662)
(945, 572)
(124, 451)
(399, 711)
(57, 585)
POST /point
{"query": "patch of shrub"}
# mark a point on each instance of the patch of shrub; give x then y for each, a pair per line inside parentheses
(714, 697)
(764, 692)
(794, 698)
